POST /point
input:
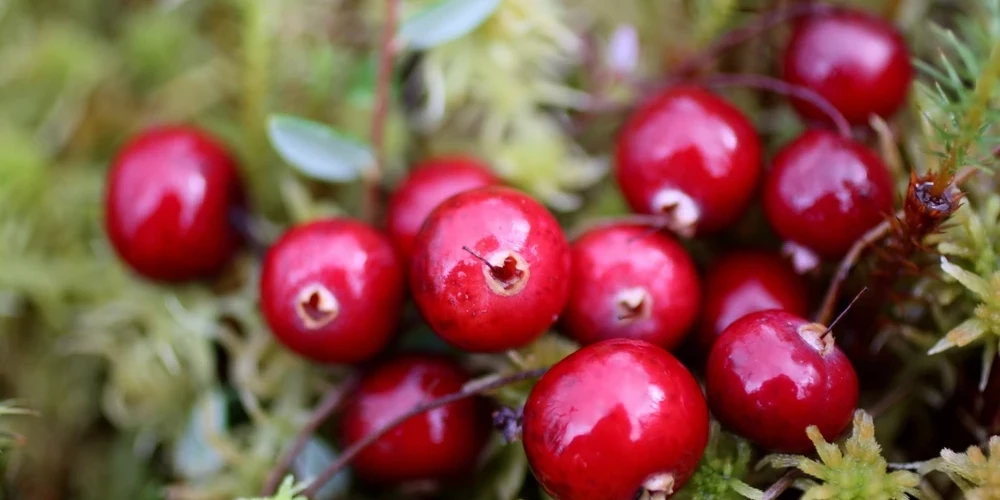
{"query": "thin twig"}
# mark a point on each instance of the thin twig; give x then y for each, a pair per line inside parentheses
(784, 88)
(740, 35)
(351, 451)
(854, 255)
(380, 111)
(781, 485)
(330, 404)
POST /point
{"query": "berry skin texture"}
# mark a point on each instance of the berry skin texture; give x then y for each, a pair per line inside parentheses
(331, 290)
(743, 282)
(490, 270)
(430, 183)
(772, 374)
(823, 192)
(440, 444)
(856, 61)
(170, 197)
(629, 283)
(613, 418)
(690, 154)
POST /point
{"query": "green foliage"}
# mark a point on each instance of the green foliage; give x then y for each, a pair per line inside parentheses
(288, 491)
(722, 469)
(977, 474)
(854, 470)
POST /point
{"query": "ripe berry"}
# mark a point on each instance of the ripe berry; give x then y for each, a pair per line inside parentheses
(689, 154)
(332, 290)
(170, 196)
(430, 183)
(442, 443)
(490, 270)
(856, 61)
(630, 283)
(823, 192)
(772, 374)
(744, 282)
(612, 419)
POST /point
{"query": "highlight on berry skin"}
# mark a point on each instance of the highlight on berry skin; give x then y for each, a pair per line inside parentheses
(500, 250)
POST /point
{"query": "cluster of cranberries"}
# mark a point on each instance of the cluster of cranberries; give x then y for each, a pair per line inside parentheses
(490, 270)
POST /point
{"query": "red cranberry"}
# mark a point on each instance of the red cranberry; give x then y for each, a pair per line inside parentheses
(612, 419)
(858, 62)
(744, 282)
(490, 270)
(332, 290)
(430, 183)
(772, 374)
(630, 283)
(442, 443)
(823, 192)
(170, 197)
(689, 154)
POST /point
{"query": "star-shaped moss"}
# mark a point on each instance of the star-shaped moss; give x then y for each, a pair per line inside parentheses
(976, 473)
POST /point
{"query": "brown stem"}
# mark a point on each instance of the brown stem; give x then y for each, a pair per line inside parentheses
(740, 35)
(782, 87)
(781, 485)
(386, 55)
(330, 404)
(352, 451)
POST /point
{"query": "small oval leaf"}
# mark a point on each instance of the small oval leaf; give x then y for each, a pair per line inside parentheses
(194, 456)
(446, 21)
(315, 457)
(317, 150)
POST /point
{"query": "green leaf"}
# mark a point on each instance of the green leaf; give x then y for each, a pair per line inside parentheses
(194, 457)
(315, 457)
(446, 21)
(317, 150)
(503, 475)
(973, 282)
(962, 335)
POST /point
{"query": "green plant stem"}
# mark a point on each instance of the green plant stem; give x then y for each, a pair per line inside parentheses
(972, 121)
(466, 392)
(256, 86)
(380, 111)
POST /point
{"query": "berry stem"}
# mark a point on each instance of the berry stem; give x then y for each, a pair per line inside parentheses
(781, 485)
(480, 258)
(352, 451)
(380, 111)
(740, 35)
(331, 402)
(782, 87)
(842, 313)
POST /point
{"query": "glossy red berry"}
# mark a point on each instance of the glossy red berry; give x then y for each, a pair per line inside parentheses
(630, 283)
(430, 183)
(490, 270)
(439, 444)
(744, 282)
(332, 290)
(612, 419)
(690, 154)
(171, 195)
(824, 192)
(856, 61)
(772, 374)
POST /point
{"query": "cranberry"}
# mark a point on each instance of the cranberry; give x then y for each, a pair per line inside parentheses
(612, 419)
(689, 154)
(332, 290)
(823, 192)
(490, 270)
(858, 62)
(430, 183)
(630, 283)
(744, 282)
(442, 443)
(772, 374)
(170, 197)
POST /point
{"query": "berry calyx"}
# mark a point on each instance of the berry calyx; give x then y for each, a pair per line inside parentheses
(690, 155)
(439, 444)
(823, 192)
(743, 282)
(332, 290)
(772, 374)
(490, 270)
(857, 62)
(171, 194)
(428, 184)
(630, 283)
(615, 419)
